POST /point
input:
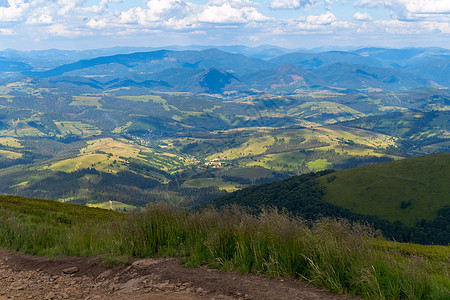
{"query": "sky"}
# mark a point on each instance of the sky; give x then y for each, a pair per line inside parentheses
(88, 24)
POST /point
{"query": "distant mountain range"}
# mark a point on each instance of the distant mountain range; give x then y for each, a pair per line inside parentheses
(240, 70)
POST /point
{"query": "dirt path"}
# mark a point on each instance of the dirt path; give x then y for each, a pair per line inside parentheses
(31, 277)
(79, 163)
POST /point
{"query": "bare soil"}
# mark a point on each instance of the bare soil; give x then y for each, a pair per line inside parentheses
(25, 276)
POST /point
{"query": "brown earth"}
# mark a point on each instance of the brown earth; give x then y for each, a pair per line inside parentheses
(25, 276)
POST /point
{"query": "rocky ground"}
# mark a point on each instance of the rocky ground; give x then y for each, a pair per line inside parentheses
(30, 277)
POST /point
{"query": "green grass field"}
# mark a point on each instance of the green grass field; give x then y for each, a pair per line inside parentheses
(116, 206)
(316, 109)
(210, 182)
(287, 161)
(319, 165)
(248, 173)
(146, 98)
(86, 101)
(20, 128)
(76, 128)
(112, 155)
(420, 185)
(10, 142)
(101, 162)
(46, 227)
(10, 154)
(354, 141)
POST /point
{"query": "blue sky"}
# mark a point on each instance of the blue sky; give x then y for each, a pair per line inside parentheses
(85, 24)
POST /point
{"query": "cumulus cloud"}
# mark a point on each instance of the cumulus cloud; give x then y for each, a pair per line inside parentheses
(157, 10)
(14, 11)
(234, 3)
(407, 28)
(289, 4)
(323, 19)
(63, 30)
(362, 16)
(409, 8)
(97, 24)
(226, 13)
(322, 23)
(40, 20)
(180, 14)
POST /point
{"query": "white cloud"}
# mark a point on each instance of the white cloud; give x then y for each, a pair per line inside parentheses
(40, 20)
(289, 4)
(6, 31)
(362, 16)
(226, 13)
(179, 14)
(323, 19)
(409, 8)
(343, 24)
(67, 7)
(234, 3)
(399, 27)
(97, 24)
(63, 30)
(15, 11)
(160, 7)
(157, 11)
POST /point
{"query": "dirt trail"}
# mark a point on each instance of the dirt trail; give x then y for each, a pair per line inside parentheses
(31, 277)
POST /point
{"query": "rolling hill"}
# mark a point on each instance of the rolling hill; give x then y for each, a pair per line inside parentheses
(419, 132)
(408, 200)
(405, 190)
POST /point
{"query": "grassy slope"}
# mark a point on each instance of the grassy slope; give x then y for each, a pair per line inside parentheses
(116, 205)
(47, 227)
(210, 182)
(380, 189)
(335, 255)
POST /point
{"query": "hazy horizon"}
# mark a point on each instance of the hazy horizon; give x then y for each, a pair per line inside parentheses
(201, 47)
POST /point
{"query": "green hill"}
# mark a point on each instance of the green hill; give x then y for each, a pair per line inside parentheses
(408, 200)
(46, 227)
(406, 190)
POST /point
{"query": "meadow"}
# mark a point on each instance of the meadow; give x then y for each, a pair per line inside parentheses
(407, 190)
(211, 182)
(337, 255)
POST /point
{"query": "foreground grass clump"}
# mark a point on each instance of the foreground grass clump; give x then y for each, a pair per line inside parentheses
(342, 257)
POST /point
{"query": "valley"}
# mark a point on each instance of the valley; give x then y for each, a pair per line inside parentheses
(191, 126)
(186, 141)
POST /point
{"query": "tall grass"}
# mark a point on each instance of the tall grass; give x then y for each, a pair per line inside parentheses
(45, 227)
(342, 257)
(332, 254)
